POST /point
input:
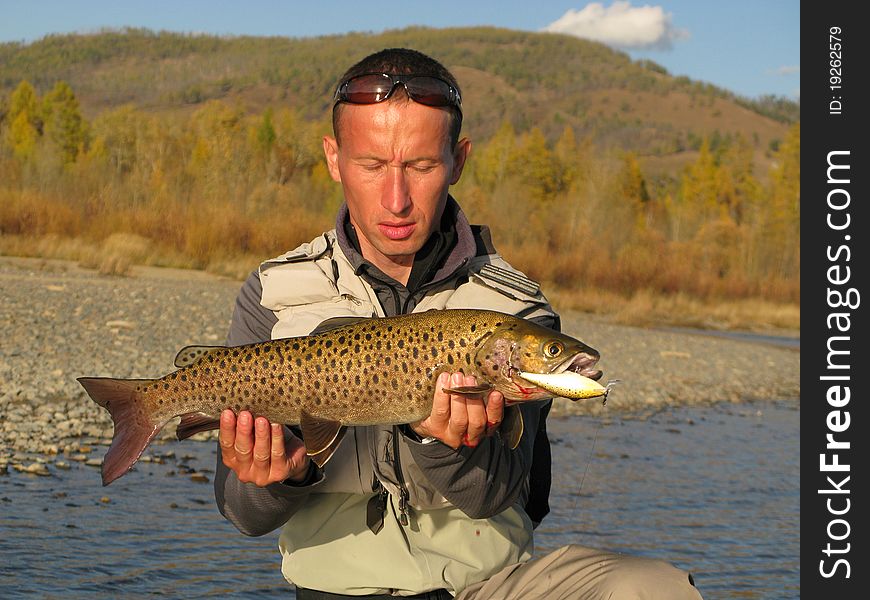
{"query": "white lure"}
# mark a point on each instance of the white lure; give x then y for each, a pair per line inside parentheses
(569, 384)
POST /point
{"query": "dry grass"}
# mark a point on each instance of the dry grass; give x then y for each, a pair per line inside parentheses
(646, 308)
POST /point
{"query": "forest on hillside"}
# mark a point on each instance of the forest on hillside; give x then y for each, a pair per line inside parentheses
(222, 186)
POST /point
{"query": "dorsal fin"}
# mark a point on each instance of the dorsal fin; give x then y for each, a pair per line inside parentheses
(190, 354)
(336, 322)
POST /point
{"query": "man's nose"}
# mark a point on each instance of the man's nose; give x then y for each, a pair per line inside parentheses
(397, 195)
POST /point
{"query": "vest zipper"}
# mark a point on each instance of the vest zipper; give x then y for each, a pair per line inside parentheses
(400, 478)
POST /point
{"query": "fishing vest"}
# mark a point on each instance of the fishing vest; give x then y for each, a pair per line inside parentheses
(440, 546)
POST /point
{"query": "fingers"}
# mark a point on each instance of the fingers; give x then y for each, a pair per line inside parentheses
(256, 449)
(474, 415)
(494, 412)
(227, 436)
(440, 416)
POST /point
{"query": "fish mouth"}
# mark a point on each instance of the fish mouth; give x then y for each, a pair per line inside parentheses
(582, 363)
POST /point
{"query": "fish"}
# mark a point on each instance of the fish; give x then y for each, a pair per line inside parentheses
(348, 372)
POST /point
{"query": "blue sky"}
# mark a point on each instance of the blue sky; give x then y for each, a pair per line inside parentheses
(751, 47)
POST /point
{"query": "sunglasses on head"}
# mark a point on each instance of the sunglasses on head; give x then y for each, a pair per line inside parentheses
(372, 88)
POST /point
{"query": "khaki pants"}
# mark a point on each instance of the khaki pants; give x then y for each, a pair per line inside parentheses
(579, 573)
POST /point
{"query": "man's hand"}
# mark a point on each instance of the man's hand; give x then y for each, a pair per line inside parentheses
(458, 420)
(260, 452)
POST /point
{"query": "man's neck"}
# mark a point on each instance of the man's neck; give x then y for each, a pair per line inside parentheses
(396, 267)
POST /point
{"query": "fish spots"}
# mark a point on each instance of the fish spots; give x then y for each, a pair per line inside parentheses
(248, 357)
(441, 337)
(450, 359)
(165, 386)
(404, 367)
(296, 345)
(450, 344)
(400, 344)
(328, 344)
(298, 362)
(425, 336)
(341, 340)
(394, 383)
(375, 378)
(415, 352)
(173, 375)
(434, 351)
(473, 327)
(388, 361)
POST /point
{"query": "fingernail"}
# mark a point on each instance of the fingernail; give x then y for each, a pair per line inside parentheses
(244, 418)
(491, 424)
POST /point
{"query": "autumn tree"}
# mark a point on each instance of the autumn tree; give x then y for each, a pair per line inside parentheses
(63, 120)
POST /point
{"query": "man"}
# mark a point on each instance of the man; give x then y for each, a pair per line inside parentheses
(432, 509)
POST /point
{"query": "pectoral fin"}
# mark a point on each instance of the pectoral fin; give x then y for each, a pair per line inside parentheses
(321, 437)
(469, 390)
(512, 426)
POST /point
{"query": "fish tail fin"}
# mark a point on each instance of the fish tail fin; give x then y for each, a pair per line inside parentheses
(134, 427)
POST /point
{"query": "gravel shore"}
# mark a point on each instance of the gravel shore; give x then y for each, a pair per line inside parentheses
(60, 322)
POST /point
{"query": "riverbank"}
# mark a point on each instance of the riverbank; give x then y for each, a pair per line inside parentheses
(61, 321)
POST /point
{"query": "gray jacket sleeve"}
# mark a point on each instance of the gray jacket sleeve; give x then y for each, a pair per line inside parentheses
(485, 480)
(252, 509)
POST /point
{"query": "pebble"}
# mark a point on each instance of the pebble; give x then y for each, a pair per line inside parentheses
(46, 413)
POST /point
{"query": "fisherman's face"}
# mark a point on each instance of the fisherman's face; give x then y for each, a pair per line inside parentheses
(395, 165)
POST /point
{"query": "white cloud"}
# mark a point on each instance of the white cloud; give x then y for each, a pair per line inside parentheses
(787, 70)
(621, 25)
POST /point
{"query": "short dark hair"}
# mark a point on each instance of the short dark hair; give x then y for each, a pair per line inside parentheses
(402, 61)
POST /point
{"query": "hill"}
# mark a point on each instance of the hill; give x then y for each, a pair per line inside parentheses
(624, 188)
(544, 80)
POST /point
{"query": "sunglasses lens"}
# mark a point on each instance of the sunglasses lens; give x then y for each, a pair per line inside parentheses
(367, 89)
(376, 87)
(429, 91)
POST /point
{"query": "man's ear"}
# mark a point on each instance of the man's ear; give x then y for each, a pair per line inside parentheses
(330, 150)
(460, 154)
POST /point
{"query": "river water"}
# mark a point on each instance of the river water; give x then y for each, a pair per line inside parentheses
(714, 490)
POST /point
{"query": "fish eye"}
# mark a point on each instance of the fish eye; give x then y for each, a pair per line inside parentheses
(553, 349)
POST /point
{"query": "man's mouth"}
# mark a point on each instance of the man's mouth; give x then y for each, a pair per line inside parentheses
(397, 231)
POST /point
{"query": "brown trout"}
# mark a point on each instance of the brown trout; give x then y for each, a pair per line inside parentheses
(359, 372)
